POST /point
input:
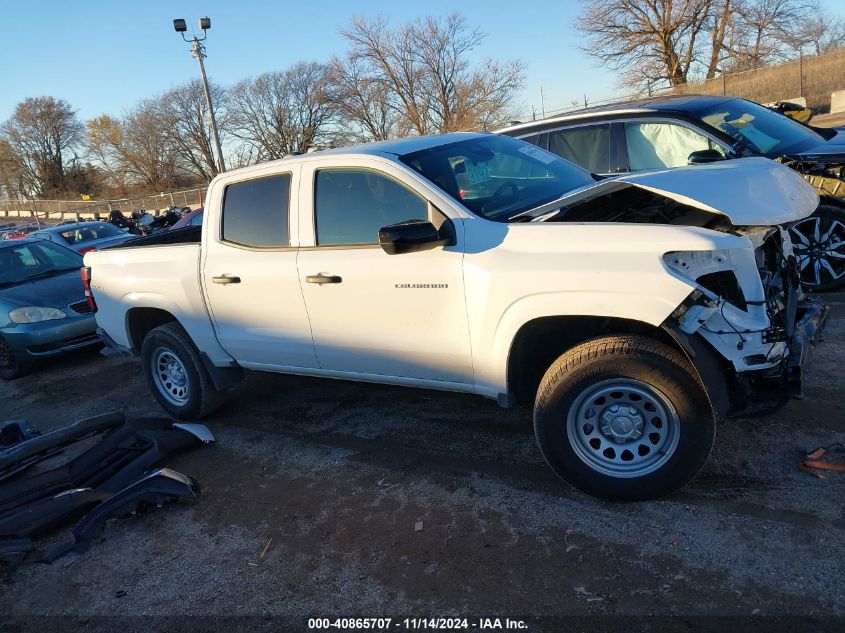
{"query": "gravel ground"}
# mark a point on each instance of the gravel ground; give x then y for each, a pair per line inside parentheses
(336, 475)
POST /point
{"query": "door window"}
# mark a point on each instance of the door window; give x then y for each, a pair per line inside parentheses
(255, 212)
(351, 205)
(656, 145)
(587, 146)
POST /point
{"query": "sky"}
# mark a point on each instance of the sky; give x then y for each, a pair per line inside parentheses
(104, 56)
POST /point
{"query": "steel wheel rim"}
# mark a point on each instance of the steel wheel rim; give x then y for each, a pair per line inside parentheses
(623, 428)
(170, 376)
(819, 246)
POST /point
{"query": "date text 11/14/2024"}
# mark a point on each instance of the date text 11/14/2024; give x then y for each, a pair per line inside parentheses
(386, 624)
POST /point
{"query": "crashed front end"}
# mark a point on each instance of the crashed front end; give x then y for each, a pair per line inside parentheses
(749, 307)
(746, 324)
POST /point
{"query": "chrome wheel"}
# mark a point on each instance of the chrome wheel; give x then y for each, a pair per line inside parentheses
(169, 376)
(623, 428)
(819, 245)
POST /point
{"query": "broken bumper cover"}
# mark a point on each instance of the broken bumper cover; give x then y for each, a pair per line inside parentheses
(810, 322)
(759, 392)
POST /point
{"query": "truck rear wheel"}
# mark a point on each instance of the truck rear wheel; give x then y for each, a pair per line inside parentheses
(176, 375)
(623, 418)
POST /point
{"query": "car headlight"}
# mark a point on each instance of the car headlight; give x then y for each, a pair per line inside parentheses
(34, 314)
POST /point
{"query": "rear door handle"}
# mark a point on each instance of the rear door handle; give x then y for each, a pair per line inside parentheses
(226, 279)
(323, 279)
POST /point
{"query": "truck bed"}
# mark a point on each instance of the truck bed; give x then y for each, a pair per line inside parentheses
(187, 235)
(163, 277)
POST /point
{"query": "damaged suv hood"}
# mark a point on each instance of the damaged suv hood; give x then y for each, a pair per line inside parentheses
(748, 191)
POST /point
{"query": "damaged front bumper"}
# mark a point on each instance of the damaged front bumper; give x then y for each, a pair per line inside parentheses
(747, 327)
(753, 393)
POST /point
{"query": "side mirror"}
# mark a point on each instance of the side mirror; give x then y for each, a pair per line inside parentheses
(703, 156)
(414, 235)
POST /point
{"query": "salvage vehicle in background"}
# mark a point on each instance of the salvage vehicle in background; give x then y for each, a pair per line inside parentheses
(43, 308)
(680, 130)
(191, 218)
(84, 236)
(633, 311)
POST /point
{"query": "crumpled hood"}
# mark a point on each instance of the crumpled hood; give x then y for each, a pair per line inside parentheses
(749, 191)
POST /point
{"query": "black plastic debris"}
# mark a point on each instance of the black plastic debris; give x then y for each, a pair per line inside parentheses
(113, 477)
(16, 431)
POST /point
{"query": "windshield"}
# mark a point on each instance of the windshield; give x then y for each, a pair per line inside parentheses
(759, 129)
(90, 232)
(497, 177)
(35, 260)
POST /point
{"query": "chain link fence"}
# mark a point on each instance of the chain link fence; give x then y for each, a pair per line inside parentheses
(813, 78)
(52, 211)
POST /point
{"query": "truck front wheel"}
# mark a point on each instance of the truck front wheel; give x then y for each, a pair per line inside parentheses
(623, 418)
(175, 373)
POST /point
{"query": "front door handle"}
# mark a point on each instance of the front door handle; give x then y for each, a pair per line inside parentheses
(226, 279)
(323, 279)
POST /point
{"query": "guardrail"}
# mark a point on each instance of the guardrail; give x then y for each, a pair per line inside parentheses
(58, 210)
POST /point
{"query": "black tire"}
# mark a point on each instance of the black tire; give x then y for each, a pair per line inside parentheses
(201, 397)
(830, 219)
(630, 360)
(11, 368)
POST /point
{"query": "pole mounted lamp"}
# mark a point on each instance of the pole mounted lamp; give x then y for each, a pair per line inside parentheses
(198, 51)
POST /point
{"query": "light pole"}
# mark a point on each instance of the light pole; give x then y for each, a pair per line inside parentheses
(199, 52)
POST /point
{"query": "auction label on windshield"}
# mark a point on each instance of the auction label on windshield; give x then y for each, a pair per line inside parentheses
(418, 624)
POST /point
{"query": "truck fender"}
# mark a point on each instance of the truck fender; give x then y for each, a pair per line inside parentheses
(630, 305)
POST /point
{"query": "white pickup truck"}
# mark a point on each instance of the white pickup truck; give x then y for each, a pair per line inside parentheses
(632, 312)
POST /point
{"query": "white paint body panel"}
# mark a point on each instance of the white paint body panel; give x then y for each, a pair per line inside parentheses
(163, 277)
(499, 277)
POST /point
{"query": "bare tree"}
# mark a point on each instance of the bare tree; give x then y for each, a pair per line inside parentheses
(365, 103)
(145, 147)
(822, 34)
(104, 144)
(769, 31)
(721, 21)
(282, 112)
(418, 77)
(187, 124)
(43, 132)
(665, 41)
(651, 40)
(12, 180)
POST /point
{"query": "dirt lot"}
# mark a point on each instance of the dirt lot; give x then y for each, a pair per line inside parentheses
(337, 474)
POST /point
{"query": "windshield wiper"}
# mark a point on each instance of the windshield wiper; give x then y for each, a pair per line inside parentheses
(48, 273)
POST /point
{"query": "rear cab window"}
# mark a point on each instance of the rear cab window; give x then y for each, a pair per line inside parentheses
(256, 212)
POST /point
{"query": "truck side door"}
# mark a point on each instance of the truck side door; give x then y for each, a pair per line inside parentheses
(372, 313)
(249, 271)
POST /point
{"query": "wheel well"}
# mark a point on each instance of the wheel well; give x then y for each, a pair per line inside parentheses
(139, 322)
(541, 341)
